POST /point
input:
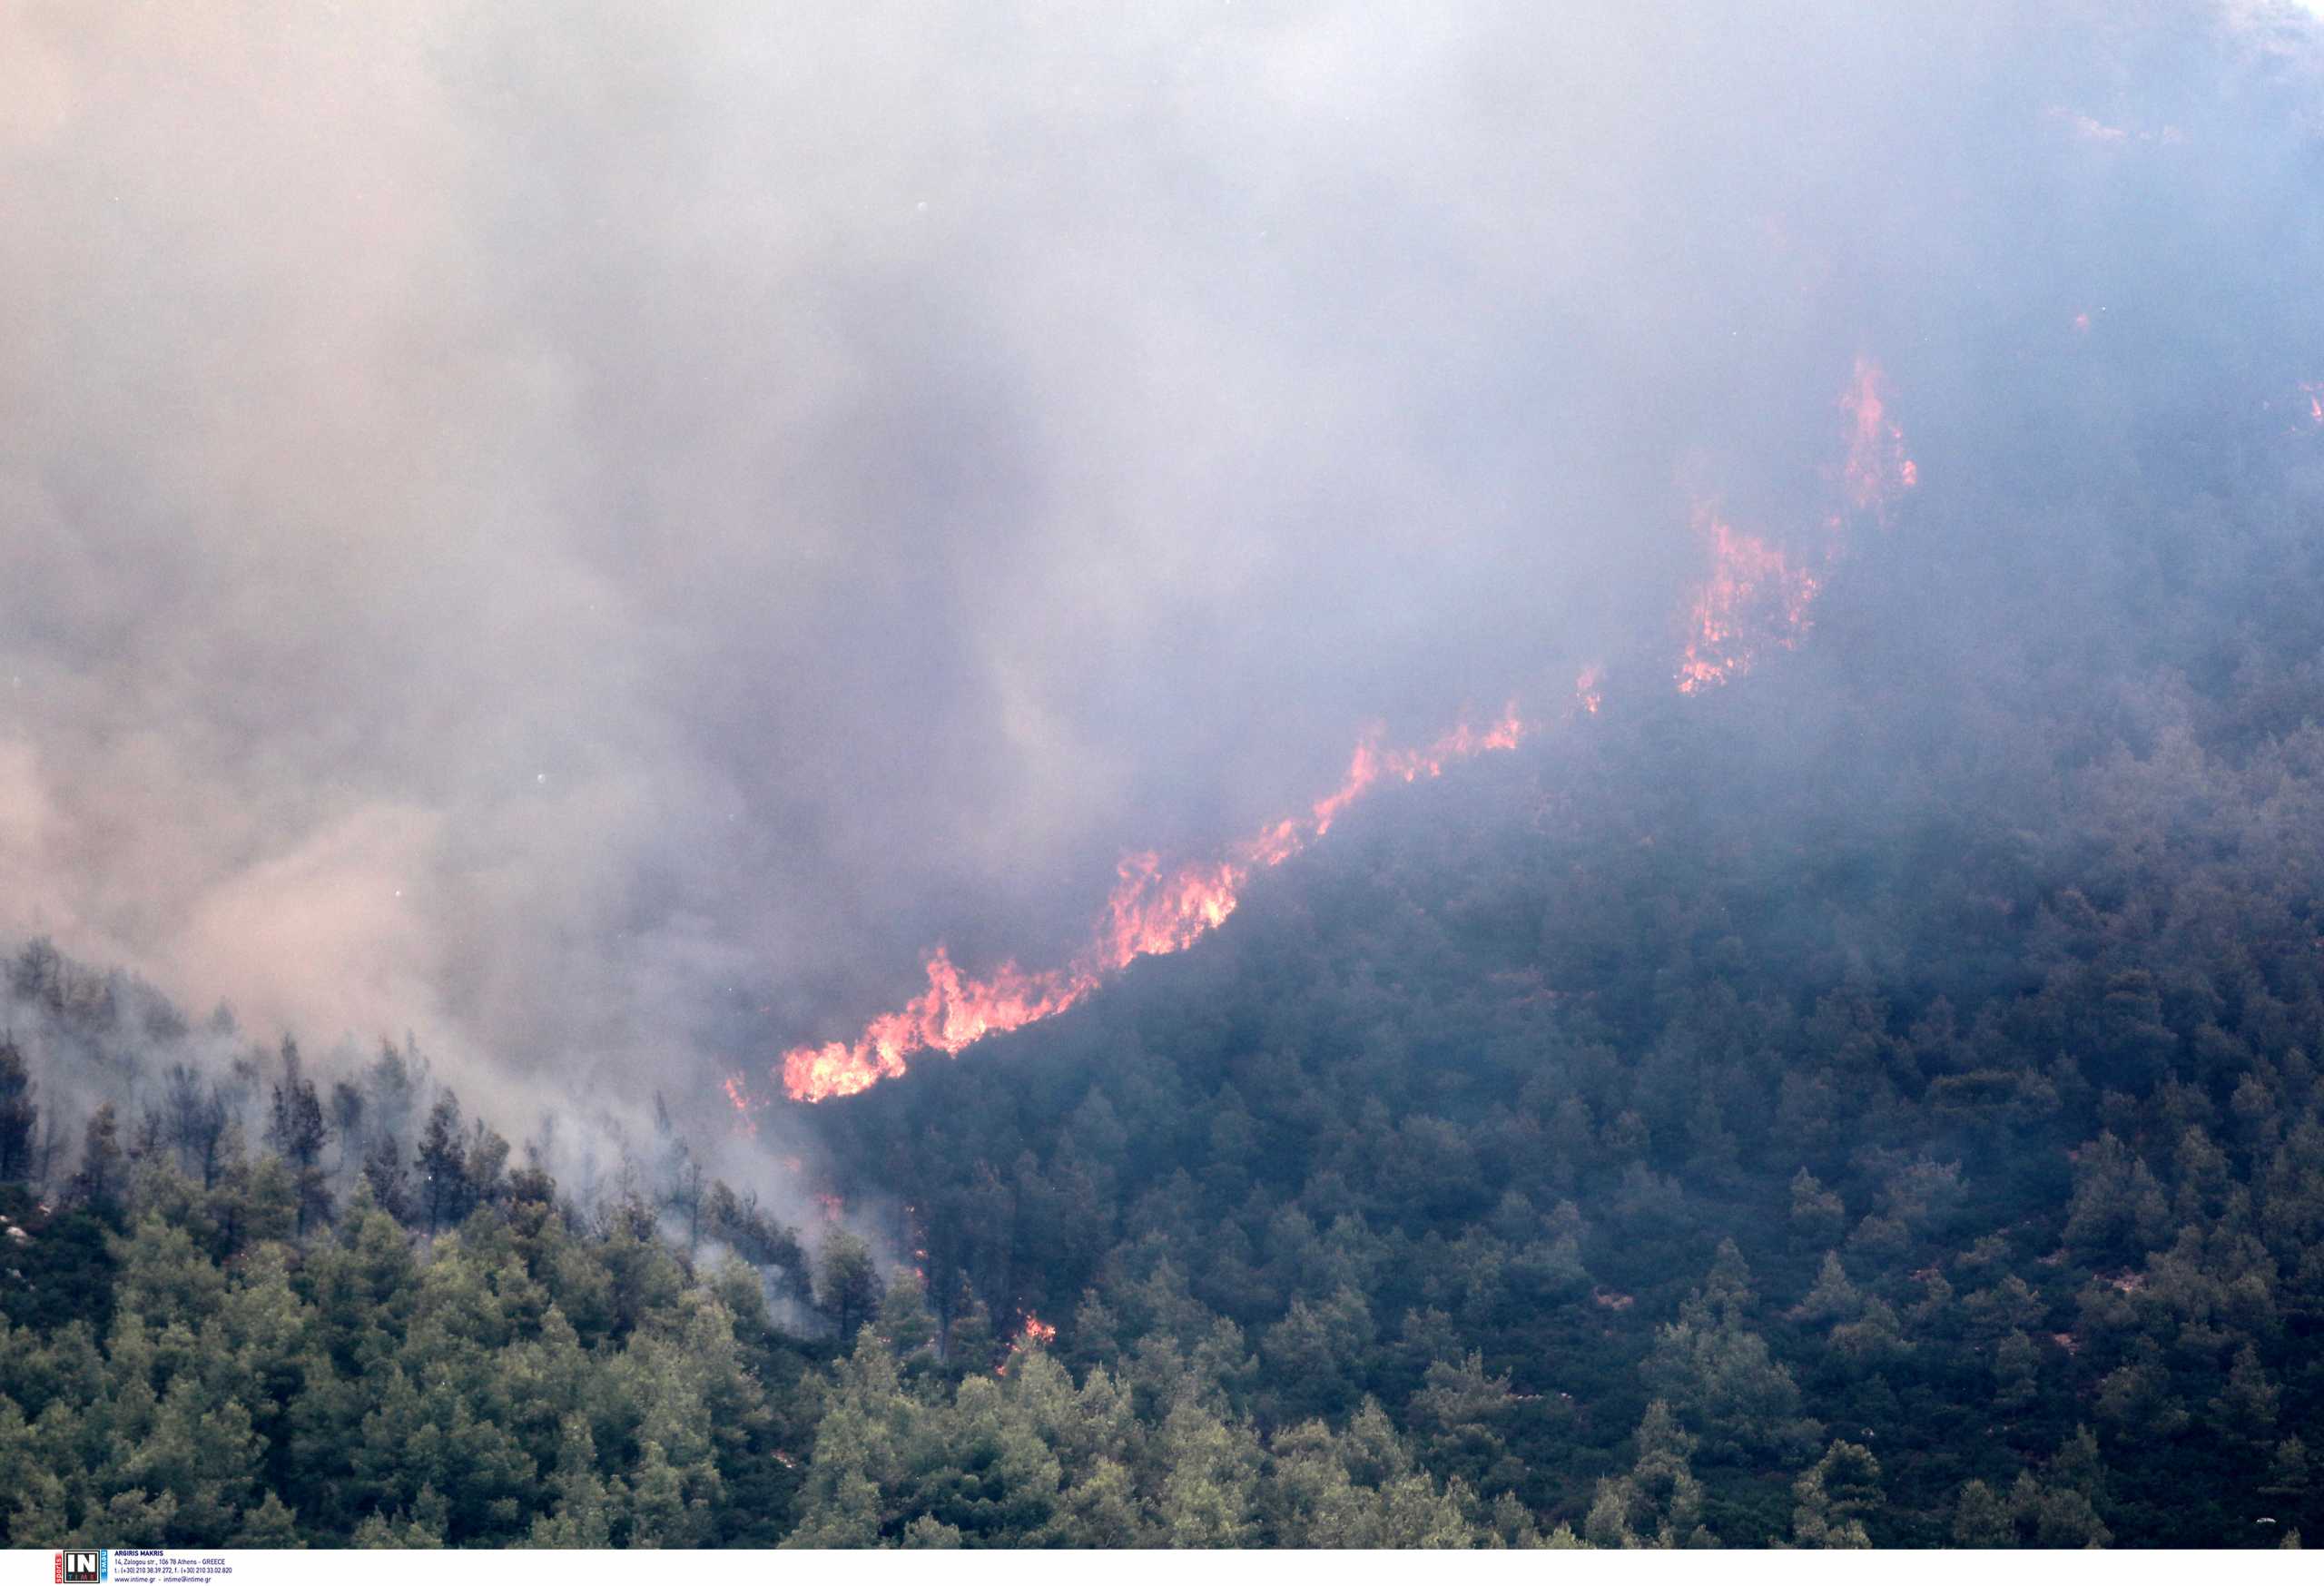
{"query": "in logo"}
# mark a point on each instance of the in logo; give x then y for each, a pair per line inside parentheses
(81, 1566)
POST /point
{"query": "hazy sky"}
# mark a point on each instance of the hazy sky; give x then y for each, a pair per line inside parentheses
(549, 524)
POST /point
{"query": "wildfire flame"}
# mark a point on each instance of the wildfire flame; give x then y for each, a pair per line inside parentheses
(1876, 467)
(954, 1012)
(1752, 587)
(1150, 912)
(1036, 1334)
(1755, 595)
(740, 1095)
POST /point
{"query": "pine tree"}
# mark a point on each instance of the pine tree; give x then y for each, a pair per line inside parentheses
(1210, 1479)
(905, 1321)
(297, 1131)
(196, 1120)
(443, 1163)
(1659, 1504)
(1834, 1495)
(18, 1116)
(969, 1339)
(103, 1172)
(1981, 1519)
(385, 1178)
(847, 1283)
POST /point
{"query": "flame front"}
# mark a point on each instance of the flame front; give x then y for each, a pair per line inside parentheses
(955, 1010)
(1150, 912)
(1370, 764)
(1755, 596)
(1752, 590)
(1876, 467)
(1035, 1335)
(738, 1094)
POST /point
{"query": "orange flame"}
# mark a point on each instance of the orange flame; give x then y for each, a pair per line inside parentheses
(1150, 912)
(955, 1010)
(1754, 595)
(1370, 764)
(1876, 467)
(2314, 392)
(1363, 770)
(737, 1093)
(1752, 587)
(1462, 743)
(1036, 1334)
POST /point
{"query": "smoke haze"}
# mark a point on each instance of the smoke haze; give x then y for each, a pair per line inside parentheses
(601, 535)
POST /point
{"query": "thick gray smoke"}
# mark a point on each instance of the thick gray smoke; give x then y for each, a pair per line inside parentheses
(597, 533)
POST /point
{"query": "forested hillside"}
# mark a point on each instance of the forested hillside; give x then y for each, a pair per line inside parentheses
(1877, 1100)
(964, 773)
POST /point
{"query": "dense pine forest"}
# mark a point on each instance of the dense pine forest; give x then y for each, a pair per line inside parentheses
(629, 529)
(1875, 1102)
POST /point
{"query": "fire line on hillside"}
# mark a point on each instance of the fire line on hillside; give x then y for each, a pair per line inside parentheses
(1755, 595)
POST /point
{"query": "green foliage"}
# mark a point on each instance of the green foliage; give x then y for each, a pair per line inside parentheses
(1833, 1497)
(1659, 1503)
(847, 1282)
(1907, 1132)
(19, 1117)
